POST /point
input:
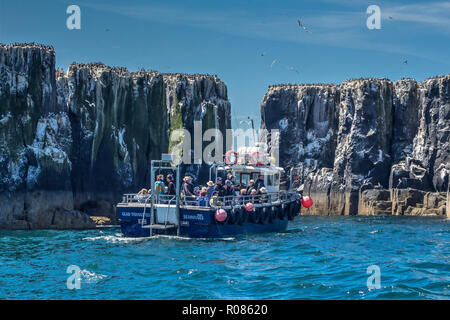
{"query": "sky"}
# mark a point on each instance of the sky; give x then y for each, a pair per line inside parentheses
(248, 44)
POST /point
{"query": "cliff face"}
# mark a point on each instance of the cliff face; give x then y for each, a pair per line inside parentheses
(367, 146)
(72, 143)
(199, 98)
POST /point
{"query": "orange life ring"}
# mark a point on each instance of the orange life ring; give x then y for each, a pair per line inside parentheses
(229, 155)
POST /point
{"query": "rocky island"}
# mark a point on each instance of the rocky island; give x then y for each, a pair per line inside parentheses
(367, 146)
(71, 143)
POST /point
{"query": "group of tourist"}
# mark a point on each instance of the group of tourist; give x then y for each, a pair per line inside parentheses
(213, 194)
(224, 193)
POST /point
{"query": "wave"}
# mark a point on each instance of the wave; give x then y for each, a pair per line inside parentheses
(115, 238)
(91, 277)
(118, 237)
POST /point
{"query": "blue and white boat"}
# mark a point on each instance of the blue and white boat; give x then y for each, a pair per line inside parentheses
(155, 214)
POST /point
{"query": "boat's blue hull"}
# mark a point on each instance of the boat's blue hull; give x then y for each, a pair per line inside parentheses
(200, 223)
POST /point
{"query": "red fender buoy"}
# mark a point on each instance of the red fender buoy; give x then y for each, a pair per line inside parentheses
(249, 207)
(221, 215)
(307, 202)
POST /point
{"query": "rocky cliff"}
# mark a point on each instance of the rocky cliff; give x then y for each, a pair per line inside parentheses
(367, 146)
(72, 143)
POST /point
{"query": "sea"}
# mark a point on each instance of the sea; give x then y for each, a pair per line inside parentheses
(318, 257)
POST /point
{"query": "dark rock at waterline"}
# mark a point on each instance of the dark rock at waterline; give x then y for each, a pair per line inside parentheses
(364, 134)
(72, 143)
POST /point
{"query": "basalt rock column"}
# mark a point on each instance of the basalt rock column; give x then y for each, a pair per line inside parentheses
(382, 136)
(35, 143)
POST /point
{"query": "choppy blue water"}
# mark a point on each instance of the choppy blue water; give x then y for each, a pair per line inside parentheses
(317, 258)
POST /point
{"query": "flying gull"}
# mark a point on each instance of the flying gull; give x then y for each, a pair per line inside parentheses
(293, 69)
(302, 26)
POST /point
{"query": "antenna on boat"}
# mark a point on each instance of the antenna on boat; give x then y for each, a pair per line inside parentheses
(253, 128)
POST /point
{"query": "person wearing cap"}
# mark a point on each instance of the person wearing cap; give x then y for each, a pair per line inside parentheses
(260, 182)
(251, 186)
(219, 187)
(210, 189)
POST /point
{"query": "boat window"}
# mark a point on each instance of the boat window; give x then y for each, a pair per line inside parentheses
(276, 179)
(270, 180)
(244, 178)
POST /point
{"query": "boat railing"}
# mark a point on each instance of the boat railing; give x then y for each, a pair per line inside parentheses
(216, 202)
(136, 197)
(144, 198)
(239, 200)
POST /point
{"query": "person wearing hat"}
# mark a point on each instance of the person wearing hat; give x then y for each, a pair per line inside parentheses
(210, 189)
(264, 196)
(219, 187)
(187, 189)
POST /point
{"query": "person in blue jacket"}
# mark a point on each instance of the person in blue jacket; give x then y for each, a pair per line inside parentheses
(203, 200)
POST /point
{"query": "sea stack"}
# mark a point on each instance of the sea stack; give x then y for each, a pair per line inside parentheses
(366, 146)
(73, 142)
